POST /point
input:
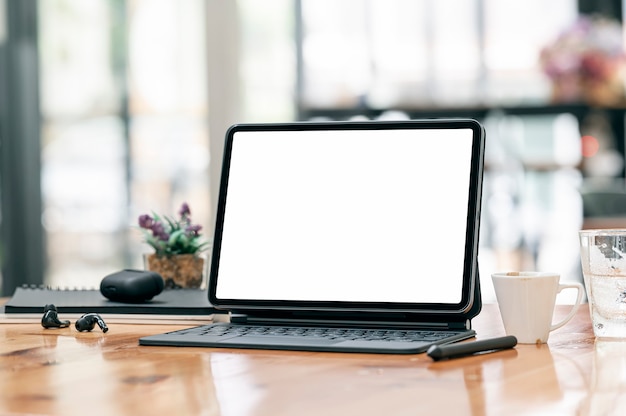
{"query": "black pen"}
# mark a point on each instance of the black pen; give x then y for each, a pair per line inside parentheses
(462, 349)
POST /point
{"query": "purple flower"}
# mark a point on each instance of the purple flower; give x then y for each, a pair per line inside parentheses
(146, 221)
(159, 232)
(184, 210)
(193, 230)
(172, 236)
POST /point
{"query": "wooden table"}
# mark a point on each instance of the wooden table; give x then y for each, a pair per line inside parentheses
(64, 372)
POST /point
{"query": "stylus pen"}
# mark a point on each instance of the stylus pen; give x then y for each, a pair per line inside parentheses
(462, 349)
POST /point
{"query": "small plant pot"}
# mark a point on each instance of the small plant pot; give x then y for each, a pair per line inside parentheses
(187, 271)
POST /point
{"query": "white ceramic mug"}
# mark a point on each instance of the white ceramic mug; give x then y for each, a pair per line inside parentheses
(526, 301)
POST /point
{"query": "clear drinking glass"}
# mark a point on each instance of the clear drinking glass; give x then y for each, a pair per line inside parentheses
(603, 258)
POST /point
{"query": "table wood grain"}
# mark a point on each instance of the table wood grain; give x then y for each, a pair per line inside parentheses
(65, 372)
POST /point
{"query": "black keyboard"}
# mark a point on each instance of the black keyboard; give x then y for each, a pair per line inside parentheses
(336, 334)
(308, 338)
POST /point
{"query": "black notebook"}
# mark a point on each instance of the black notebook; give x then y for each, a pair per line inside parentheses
(169, 302)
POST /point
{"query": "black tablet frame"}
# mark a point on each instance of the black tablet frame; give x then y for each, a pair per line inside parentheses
(470, 304)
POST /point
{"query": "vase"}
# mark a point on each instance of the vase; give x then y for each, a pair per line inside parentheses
(187, 271)
(604, 93)
(567, 89)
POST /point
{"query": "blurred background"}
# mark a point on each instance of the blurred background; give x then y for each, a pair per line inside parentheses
(110, 109)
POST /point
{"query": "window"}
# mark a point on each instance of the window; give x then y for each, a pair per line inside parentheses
(408, 53)
(124, 105)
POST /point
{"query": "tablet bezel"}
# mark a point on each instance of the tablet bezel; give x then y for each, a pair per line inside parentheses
(470, 299)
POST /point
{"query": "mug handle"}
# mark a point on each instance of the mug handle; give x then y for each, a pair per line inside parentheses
(570, 315)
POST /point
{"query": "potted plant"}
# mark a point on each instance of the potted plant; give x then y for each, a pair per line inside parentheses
(178, 247)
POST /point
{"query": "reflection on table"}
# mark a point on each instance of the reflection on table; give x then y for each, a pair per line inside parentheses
(66, 372)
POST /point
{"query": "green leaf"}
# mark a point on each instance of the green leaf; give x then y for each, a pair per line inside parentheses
(175, 236)
(173, 224)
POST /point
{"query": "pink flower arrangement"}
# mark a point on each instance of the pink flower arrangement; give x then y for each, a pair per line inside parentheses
(588, 52)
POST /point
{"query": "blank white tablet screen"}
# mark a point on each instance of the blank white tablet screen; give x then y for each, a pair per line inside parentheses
(346, 215)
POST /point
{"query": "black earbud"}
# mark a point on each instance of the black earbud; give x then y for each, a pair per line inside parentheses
(89, 320)
(50, 318)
